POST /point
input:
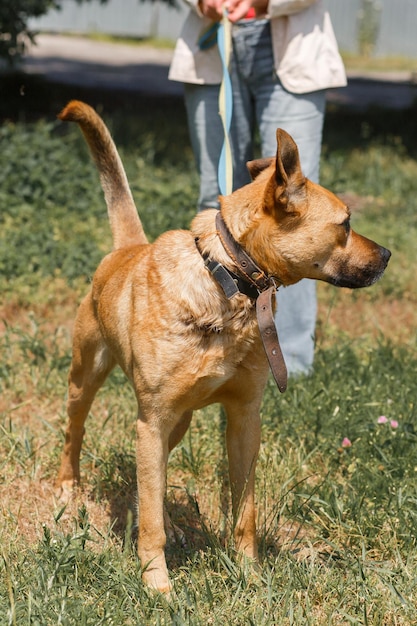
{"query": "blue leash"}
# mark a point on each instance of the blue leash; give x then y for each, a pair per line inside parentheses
(225, 171)
(221, 32)
(209, 38)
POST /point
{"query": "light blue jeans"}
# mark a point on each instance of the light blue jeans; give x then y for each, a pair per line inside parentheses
(260, 100)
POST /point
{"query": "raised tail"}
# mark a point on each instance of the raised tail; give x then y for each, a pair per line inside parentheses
(125, 224)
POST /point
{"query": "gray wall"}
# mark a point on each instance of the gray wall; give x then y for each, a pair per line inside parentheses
(396, 34)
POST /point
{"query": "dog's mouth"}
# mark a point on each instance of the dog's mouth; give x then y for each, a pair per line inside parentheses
(354, 283)
(362, 277)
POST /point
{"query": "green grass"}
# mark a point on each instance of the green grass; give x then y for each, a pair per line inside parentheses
(360, 63)
(153, 42)
(337, 524)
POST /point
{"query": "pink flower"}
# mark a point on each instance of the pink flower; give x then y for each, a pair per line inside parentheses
(346, 443)
(394, 424)
(382, 419)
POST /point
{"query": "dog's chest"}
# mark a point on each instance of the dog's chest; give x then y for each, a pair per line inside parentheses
(222, 342)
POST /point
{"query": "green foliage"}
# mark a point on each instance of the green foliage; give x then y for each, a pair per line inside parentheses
(50, 201)
(53, 219)
(368, 26)
(14, 29)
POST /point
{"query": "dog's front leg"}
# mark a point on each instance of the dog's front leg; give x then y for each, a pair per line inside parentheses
(152, 456)
(243, 440)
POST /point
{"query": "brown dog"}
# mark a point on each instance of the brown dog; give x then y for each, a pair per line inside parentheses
(158, 312)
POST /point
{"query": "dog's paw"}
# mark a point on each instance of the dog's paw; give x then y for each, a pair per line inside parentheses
(157, 580)
(65, 490)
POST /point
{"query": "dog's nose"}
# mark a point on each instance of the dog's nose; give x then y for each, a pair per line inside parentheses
(385, 254)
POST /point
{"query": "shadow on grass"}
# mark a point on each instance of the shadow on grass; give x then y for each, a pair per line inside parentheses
(346, 129)
(191, 531)
(27, 98)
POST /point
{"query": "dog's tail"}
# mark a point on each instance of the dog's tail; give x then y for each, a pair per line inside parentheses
(124, 220)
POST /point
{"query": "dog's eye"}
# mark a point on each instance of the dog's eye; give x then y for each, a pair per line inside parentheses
(346, 225)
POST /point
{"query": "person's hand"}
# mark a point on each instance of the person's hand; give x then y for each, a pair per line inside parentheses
(212, 9)
(237, 9)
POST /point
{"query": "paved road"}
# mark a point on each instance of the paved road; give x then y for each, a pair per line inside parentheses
(143, 69)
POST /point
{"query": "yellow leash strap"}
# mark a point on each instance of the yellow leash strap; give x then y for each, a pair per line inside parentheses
(224, 42)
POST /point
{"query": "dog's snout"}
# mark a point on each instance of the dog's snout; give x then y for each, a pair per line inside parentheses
(354, 276)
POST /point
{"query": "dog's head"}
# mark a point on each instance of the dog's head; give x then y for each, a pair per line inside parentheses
(300, 230)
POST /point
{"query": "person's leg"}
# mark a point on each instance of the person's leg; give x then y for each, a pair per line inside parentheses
(206, 136)
(254, 81)
(259, 97)
(302, 117)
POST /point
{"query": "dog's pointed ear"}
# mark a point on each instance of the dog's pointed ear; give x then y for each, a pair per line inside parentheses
(287, 159)
(289, 181)
(258, 165)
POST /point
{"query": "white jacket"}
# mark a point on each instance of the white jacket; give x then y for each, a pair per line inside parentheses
(306, 55)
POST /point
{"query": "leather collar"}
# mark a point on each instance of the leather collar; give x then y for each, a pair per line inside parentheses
(246, 266)
(250, 279)
(258, 286)
(230, 282)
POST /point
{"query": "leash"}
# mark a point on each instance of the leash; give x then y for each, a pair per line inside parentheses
(221, 33)
(225, 169)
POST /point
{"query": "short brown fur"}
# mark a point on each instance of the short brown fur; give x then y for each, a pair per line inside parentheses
(156, 311)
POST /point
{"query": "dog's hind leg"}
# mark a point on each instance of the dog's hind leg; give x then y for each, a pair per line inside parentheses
(174, 533)
(179, 430)
(91, 364)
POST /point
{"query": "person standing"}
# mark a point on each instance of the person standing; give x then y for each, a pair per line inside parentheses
(284, 56)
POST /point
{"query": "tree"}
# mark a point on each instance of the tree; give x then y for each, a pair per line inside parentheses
(14, 30)
(368, 26)
(14, 17)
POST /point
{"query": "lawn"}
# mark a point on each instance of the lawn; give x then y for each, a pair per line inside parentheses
(336, 479)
